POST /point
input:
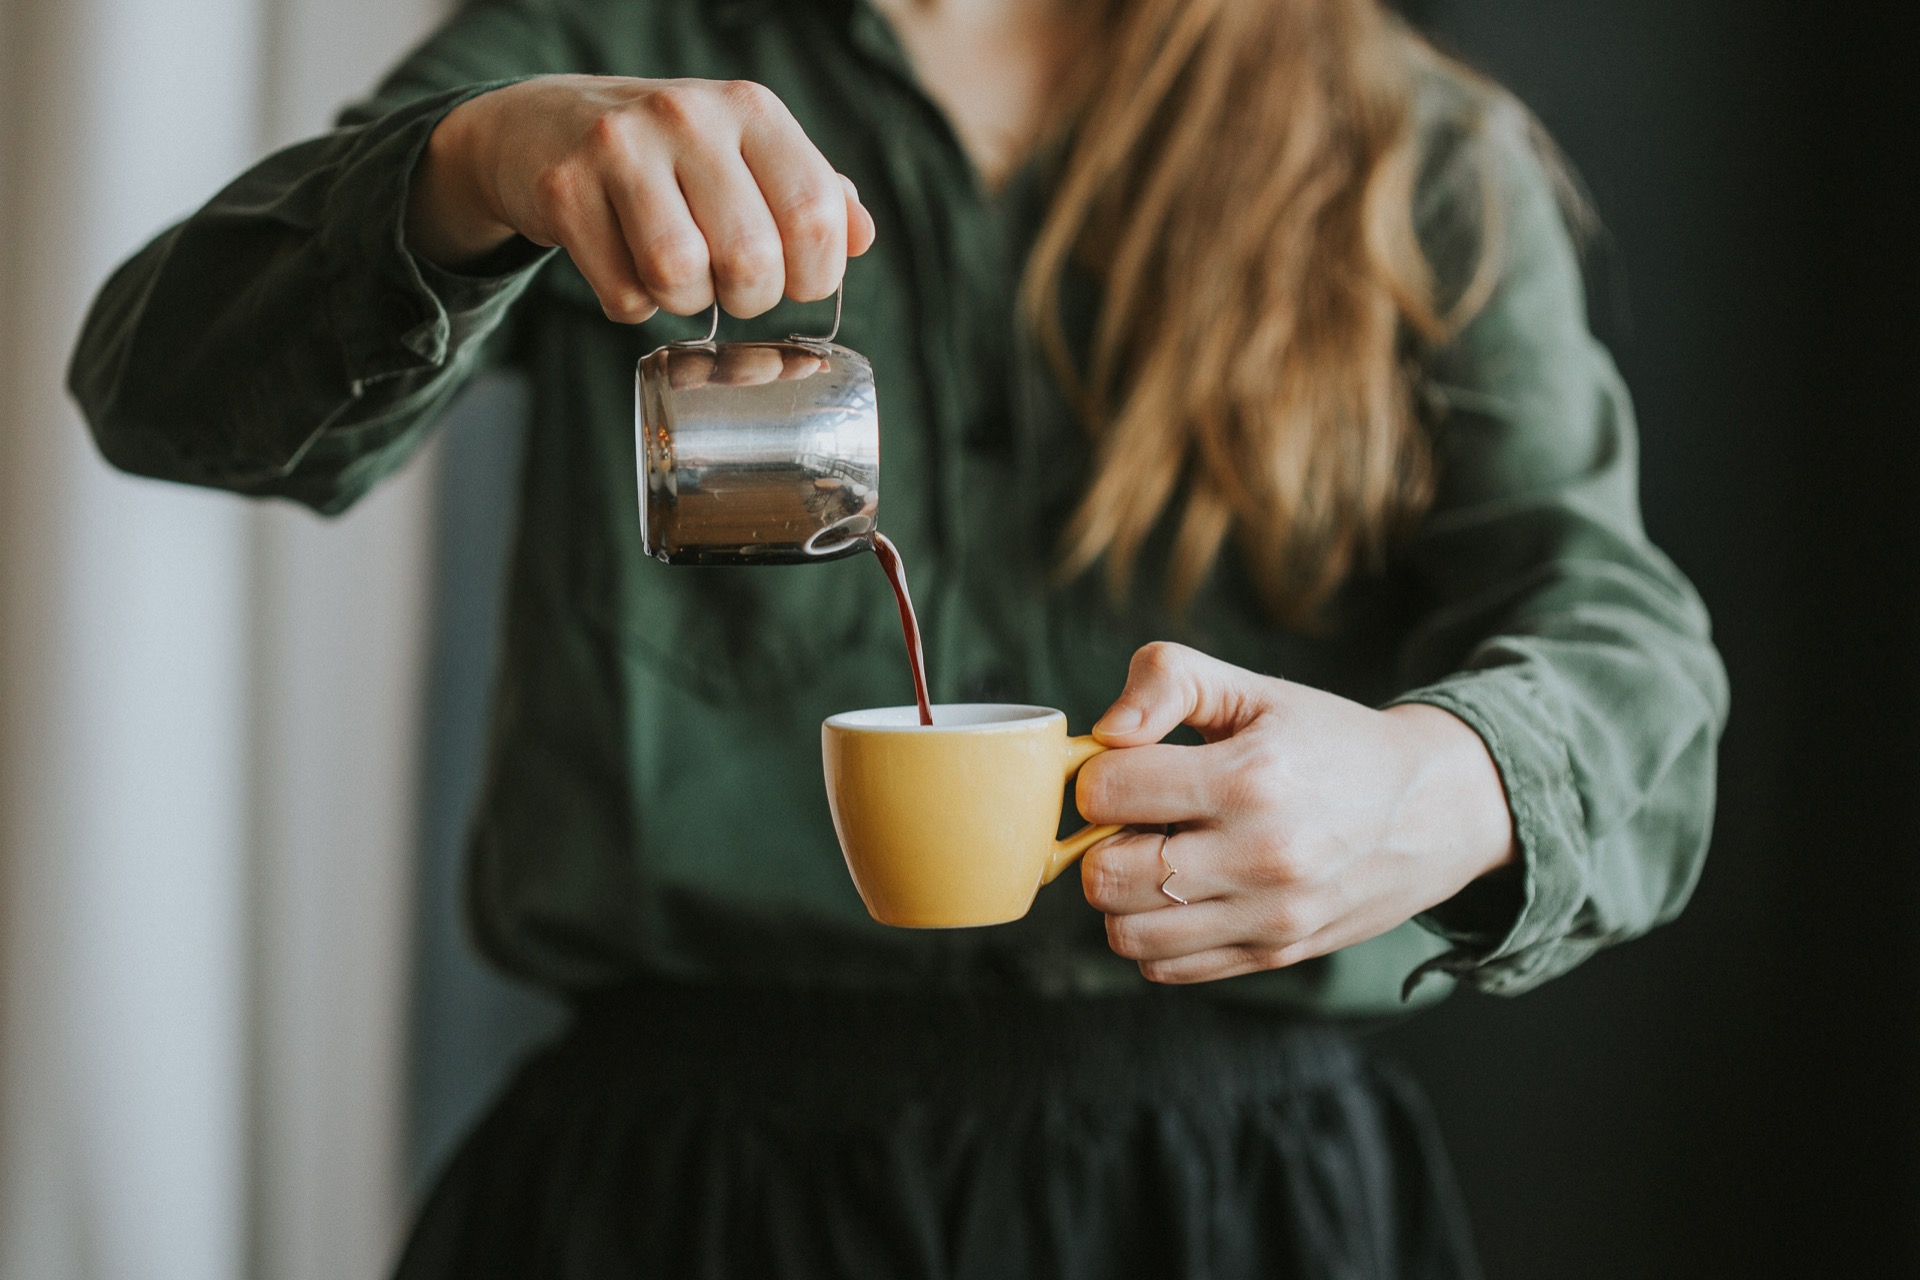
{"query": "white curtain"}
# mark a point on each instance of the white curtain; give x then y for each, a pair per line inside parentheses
(208, 715)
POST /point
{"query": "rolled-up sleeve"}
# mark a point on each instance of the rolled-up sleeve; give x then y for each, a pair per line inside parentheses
(283, 340)
(1577, 651)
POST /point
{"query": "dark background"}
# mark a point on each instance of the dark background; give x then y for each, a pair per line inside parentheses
(1738, 1094)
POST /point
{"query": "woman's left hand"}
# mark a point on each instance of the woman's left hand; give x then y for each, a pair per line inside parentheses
(1304, 824)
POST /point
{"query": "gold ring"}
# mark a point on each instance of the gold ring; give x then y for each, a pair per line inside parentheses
(1172, 871)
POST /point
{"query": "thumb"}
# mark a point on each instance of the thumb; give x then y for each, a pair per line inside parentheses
(1169, 685)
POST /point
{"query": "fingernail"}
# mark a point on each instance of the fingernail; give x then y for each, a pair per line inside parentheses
(1119, 719)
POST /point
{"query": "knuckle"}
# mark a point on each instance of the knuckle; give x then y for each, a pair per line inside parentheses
(607, 135)
(627, 308)
(1262, 756)
(1291, 954)
(1274, 868)
(1101, 880)
(1162, 971)
(1092, 793)
(748, 259)
(1285, 921)
(1159, 656)
(1265, 957)
(1238, 790)
(1123, 936)
(815, 221)
(749, 98)
(675, 108)
(1292, 867)
(556, 188)
(811, 291)
(675, 261)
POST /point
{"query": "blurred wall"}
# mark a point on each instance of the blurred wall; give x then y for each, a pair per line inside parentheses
(208, 715)
(122, 766)
(339, 650)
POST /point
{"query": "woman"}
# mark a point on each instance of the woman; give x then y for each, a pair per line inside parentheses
(1264, 312)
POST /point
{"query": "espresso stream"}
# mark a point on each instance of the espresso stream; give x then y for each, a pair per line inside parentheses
(896, 570)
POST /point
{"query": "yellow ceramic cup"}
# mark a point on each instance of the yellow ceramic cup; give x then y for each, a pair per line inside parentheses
(952, 823)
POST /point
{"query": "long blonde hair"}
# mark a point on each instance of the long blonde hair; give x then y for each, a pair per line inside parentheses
(1239, 178)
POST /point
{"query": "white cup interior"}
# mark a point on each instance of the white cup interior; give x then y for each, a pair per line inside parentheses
(946, 717)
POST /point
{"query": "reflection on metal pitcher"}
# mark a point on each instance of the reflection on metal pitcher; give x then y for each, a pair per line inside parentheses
(757, 452)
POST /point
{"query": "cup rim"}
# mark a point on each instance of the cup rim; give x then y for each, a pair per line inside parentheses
(974, 717)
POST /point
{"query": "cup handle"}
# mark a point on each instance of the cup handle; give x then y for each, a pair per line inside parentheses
(1067, 852)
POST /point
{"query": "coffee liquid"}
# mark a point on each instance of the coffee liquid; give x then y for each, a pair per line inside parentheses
(896, 571)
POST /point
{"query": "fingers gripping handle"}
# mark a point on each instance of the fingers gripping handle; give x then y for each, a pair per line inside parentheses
(1067, 852)
(713, 324)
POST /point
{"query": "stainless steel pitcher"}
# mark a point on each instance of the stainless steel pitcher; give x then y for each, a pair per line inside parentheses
(757, 452)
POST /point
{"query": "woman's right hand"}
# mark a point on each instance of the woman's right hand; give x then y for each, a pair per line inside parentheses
(664, 192)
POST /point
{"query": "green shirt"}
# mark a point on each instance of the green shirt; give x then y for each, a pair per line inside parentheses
(654, 801)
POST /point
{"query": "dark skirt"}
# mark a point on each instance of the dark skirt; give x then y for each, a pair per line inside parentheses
(690, 1132)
